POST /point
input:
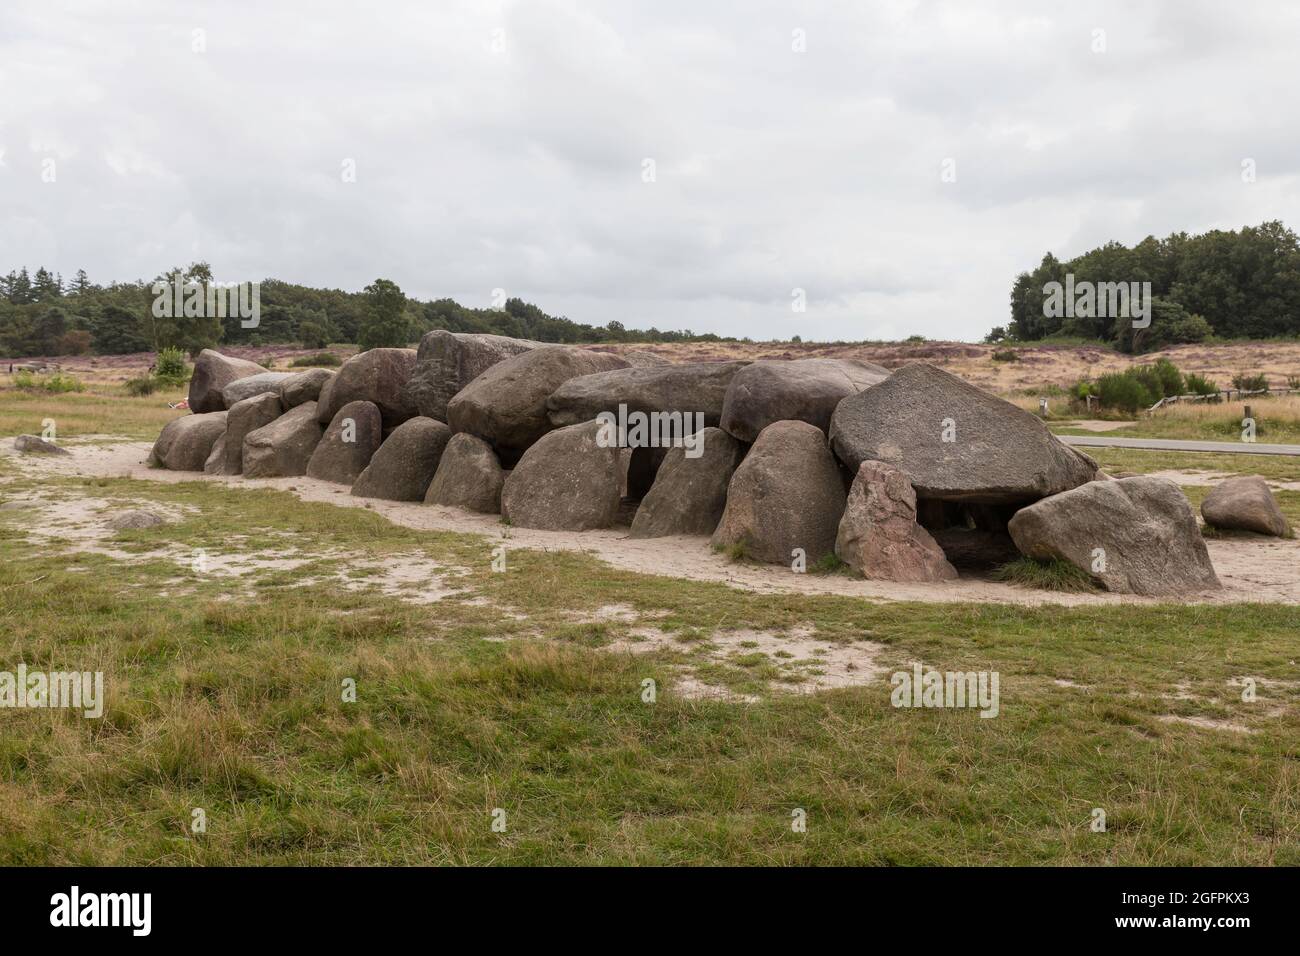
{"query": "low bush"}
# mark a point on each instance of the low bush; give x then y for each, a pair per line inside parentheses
(1250, 381)
(1171, 380)
(1006, 355)
(1122, 391)
(56, 383)
(145, 385)
(1200, 385)
(170, 369)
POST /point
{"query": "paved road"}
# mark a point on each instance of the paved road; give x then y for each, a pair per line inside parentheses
(1176, 444)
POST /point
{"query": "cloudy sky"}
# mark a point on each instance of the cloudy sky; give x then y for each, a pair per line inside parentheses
(679, 164)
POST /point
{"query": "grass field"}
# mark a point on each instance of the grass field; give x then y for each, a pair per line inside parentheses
(103, 409)
(1277, 420)
(521, 691)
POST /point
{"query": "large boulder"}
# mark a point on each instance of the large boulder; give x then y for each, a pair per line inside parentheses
(213, 372)
(689, 494)
(244, 388)
(469, 476)
(185, 443)
(285, 446)
(304, 386)
(348, 444)
(1245, 504)
(787, 494)
(878, 535)
(448, 361)
(376, 375)
(955, 441)
(35, 445)
(565, 482)
(245, 416)
(688, 389)
(506, 405)
(403, 466)
(806, 390)
(1133, 536)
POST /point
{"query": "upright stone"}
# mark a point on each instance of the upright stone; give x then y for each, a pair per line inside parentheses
(469, 476)
(284, 447)
(689, 492)
(565, 482)
(878, 535)
(403, 466)
(186, 442)
(348, 444)
(246, 415)
(786, 498)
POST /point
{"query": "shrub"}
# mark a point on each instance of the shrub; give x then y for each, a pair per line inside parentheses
(1200, 385)
(1171, 380)
(1250, 381)
(58, 382)
(1006, 355)
(319, 359)
(1293, 382)
(170, 369)
(146, 385)
(1123, 391)
(1149, 379)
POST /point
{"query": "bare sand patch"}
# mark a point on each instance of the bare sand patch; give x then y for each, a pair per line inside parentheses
(1205, 723)
(805, 663)
(81, 523)
(1251, 570)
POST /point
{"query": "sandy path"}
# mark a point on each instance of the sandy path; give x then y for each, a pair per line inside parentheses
(1251, 569)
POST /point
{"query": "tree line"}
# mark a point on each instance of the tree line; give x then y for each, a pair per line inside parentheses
(1225, 284)
(42, 314)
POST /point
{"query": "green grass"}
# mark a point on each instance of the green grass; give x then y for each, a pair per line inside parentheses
(1053, 575)
(100, 410)
(229, 699)
(1143, 461)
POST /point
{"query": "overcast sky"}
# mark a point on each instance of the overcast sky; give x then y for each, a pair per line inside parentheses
(504, 145)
